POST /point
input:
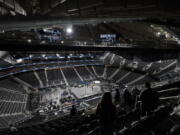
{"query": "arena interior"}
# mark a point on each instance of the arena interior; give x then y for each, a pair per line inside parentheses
(55, 54)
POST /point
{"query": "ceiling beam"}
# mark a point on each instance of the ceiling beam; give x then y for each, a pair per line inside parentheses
(13, 6)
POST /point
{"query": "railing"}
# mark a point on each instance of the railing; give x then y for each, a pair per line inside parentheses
(15, 121)
(134, 43)
(165, 82)
(42, 63)
(4, 72)
(24, 119)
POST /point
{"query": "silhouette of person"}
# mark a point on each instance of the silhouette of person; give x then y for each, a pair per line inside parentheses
(73, 111)
(135, 95)
(128, 102)
(117, 97)
(13, 128)
(149, 100)
(106, 111)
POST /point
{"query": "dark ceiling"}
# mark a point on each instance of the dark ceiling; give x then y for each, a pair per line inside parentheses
(29, 14)
(51, 12)
(100, 8)
(95, 8)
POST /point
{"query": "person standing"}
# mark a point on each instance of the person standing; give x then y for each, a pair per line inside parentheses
(12, 128)
(106, 111)
(149, 100)
(117, 97)
(128, 102)
(73, 111)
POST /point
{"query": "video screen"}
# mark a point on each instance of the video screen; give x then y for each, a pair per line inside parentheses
(110, 38)
(50, 35)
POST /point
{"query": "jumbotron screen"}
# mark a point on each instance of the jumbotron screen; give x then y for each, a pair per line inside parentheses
(50, 35)
(108, 37)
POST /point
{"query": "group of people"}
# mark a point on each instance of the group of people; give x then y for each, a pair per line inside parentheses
(107, 109)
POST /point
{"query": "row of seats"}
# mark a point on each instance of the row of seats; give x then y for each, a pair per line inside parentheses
(10, 84)
(11, 107)
(42, 77)
(12, 101)
(71, 75)
(147, 125)
(98, 70)
(84, 73)
(153, 68)
(39, 78)
(5, 121)
(9, 96)
(89, 124)
(29, 77)
(76, 125)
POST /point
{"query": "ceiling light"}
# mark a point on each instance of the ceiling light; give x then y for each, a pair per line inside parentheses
(45, 30)
(158, 33)
(57, 55)
(43, 55)
(97, 82)
(30, 56)
(69, 30)
(62, 42)
(29, 41)
(19, 60)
